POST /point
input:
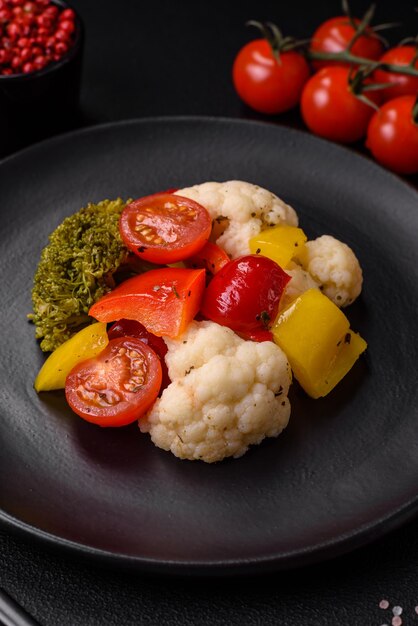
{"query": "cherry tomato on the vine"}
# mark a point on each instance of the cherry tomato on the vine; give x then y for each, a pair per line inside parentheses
(403, 84)
(334, 35)
(331, 109)
(245, 294)
(116, 387)
(266, 84)
(392, 135)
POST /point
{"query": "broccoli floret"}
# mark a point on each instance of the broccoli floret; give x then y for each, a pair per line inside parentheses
(75, 270)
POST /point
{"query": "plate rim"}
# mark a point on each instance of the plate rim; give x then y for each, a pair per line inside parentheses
(313, 555)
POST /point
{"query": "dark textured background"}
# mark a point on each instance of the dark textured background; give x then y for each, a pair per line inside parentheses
(164, 58)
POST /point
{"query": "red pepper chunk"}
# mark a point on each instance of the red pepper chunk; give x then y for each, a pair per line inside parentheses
(165, 300)
(212, 257)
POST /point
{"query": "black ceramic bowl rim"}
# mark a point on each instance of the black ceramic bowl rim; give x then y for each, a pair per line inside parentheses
(55, 65)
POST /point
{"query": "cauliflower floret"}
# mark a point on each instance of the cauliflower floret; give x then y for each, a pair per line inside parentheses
(335, 267)
(226, 394)
(247, 207)
(300, 281)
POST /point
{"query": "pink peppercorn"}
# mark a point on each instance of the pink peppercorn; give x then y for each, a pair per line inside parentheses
(33, 33)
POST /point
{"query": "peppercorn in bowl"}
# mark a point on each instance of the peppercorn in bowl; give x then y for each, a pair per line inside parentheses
(41, 46)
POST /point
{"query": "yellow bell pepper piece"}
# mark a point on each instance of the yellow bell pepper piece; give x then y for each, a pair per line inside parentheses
(315, 335)
(87, 343)
(281, 244)
(348, 352)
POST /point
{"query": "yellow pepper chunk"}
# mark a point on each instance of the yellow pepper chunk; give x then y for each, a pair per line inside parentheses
(87, 343)
(348, 352)
(281, 244)
(315, 335)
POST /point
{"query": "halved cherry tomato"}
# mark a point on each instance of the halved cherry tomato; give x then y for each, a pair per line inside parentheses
(245, 294)
(165, 300)
(132, 328)
(402, 84)
(211, 257)
(335, 35)
(165, 228)
(116, 387)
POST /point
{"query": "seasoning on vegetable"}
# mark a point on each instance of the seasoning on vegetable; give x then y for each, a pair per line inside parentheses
(279, 244)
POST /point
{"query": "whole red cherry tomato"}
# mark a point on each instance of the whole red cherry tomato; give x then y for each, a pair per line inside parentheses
(266, 84)
(392, 135)
(116, 387)
(334, 35)
(331, 109)
(245, 294)
(403, 85)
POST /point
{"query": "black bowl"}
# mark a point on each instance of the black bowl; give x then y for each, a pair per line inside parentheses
(41, 103)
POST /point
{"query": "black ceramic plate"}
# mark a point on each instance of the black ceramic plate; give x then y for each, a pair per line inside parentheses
(346, 468)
